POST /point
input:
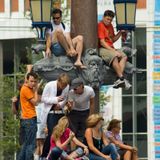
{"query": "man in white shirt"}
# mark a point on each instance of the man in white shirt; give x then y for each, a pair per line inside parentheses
(59, 41)
(81, 101)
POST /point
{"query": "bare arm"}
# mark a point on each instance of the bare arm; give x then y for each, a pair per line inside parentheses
(105, 140)
(89, 138)
(48, 44)
(119, 144)
(116, 37)
(36, 98)
(14, 101)
(92, 105)
(63, 145)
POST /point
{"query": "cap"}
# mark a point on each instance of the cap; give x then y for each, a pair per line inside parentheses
(76, 83)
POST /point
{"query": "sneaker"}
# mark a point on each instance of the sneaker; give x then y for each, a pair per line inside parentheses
(119, 83)
(127, 85)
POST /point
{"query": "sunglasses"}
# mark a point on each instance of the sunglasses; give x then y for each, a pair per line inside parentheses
(56, 18)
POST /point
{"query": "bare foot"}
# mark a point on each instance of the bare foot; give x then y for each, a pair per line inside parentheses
(71, 53)
(80, 65)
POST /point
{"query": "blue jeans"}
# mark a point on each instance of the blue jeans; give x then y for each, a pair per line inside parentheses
(29, 128)
(57, 49)
(107, 150)
(55, 153)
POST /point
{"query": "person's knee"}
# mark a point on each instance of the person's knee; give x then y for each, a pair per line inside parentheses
(80, 38)
(59, 31)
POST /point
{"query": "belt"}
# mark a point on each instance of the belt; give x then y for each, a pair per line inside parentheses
(56, 112)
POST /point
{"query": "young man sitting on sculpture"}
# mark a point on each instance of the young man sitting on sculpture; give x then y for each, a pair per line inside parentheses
(59, 41)
(112, 57)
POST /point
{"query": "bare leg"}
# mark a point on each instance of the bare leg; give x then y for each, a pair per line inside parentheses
(128, 155)
(122, 63)
(59, 36)
(78, 44)
(134, 156)
(117, 67)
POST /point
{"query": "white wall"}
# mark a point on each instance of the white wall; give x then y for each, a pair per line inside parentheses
(15, 25)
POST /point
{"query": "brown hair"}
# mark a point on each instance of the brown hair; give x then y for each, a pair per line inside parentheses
(109, 13)
(93, 120)
(113, 124)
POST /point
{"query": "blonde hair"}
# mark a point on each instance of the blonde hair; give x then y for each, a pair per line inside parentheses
(93, 120)
(64, 79)
(59, 129)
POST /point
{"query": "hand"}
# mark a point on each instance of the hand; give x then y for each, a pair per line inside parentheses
(48, 52)
(118, 54)
(69, 105)
(60, 98)
(57, 107)
(73, 52)
(86, 151)
(134, 149)
(14, 99)
(46, 130)
(71, 135)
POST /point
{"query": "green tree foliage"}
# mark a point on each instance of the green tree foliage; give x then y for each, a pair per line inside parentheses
(10, 125)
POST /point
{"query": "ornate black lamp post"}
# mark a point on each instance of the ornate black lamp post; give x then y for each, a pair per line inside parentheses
(41, 16)
(125, 11)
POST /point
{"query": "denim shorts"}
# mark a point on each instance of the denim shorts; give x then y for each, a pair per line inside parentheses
(57, 49)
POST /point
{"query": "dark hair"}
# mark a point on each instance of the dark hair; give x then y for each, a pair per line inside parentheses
(33, 74)
(109, 13)
(113, 124)
(55, 11)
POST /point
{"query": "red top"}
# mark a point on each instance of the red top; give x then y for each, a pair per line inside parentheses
(63, 138)
(106, 33)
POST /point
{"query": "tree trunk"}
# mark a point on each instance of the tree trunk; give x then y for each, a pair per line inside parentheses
(84, 21)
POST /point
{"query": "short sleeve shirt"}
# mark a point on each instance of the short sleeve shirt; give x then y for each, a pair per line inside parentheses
(81, 102)
(60, 26)
(109, 134)
(63, 138)
(106, 33)
(28, 109)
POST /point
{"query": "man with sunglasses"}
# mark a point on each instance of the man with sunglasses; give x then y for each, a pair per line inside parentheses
(81, 102)
(59, 41)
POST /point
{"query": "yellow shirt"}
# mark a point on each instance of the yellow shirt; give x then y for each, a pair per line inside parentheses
(28, 109)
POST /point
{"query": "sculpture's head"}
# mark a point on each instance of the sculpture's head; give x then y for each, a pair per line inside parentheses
(93, 73)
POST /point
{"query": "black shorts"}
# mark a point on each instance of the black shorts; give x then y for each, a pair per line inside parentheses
(121, 152)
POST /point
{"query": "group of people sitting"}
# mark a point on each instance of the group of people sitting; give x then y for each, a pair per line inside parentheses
(97, 144)
(59, 42)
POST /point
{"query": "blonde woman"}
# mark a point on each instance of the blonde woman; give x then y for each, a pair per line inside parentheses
(60, 139)
(99, 148)
(125, 151)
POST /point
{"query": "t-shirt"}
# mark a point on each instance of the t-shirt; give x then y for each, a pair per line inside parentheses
(109, 134)
(81, 102)
(28, 109)
(63, 138)
(54, 26)
(106, 33)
